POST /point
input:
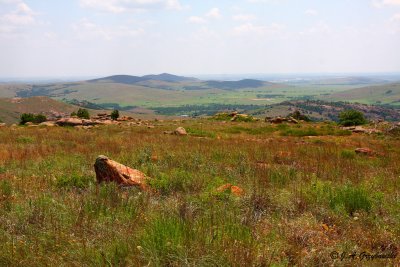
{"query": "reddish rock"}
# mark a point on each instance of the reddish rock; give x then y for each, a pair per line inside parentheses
(108, 170)
(364, 151)
(180, 131)
(233, 189)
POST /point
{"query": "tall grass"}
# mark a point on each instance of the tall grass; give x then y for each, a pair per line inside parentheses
(299, 202)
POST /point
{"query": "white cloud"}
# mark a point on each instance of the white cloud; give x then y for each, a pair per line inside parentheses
(250, 28)
(395, 18)
(319, 28)
(214, 13)
(382, 3)
(311, 12)
(120, 6)
(244, 17)
(86, 30)
(197, 20)
(18, 18)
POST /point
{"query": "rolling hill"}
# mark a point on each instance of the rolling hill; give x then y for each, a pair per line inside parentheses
(378, 94)
(12, 108)
(322, 110)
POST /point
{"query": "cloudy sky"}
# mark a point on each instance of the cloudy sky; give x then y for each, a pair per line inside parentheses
(104, 37)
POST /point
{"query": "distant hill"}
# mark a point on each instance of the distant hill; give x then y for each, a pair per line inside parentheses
(378, 94)
(323, 110)
(128, 79)
(234, 85)
(12, 108)
(350, 81)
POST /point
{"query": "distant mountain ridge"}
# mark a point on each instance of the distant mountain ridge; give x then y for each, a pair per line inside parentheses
(129, 79)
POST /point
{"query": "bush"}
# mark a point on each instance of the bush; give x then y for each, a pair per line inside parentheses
(83, 113)
(115, 114)
(298, 116)
(29, 117)
(73, 114)
(351, 118)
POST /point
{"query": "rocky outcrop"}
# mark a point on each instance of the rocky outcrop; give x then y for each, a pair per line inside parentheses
(2, 125)
(108, 170)
(361, 129)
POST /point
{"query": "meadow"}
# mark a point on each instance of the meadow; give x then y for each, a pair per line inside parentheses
(306, 196)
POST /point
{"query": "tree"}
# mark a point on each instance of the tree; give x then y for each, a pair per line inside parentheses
(351, 118)
(29, 117)
(73, 114)
(115, 114)
(83, 113)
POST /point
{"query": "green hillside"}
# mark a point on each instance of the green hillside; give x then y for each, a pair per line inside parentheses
(379, 94)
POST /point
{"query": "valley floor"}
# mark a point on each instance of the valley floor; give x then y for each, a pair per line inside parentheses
(308, 199)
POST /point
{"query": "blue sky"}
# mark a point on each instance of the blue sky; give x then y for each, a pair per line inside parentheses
(105, 37)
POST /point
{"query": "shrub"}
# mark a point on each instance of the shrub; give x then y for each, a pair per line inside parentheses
(73, 114)
(351, 198)
(83, 113)
(29, 117)
(298, 116)
(115, 114)
(351, 118)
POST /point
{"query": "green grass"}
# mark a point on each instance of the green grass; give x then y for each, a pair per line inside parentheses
(52, 211)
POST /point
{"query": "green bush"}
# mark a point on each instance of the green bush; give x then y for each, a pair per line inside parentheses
(351, 118)
(115, 114)
(83, 113)
(29, 117)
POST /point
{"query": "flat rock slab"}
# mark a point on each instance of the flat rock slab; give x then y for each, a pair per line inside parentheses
(108, 170)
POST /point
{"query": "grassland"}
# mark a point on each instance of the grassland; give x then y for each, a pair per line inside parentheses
(306, 195)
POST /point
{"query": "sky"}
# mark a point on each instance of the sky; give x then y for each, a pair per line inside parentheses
(61, 38)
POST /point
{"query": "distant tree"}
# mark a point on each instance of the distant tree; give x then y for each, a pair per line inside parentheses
(39, 118)
(83, 113)
(351, 118)
(115, 114)
(73, 114)
(29, 117)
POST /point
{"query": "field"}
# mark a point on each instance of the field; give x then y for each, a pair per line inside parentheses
(307, 196)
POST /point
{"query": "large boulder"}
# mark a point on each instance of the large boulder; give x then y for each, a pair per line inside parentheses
(2, 125)
(108, 170)
(69, 122)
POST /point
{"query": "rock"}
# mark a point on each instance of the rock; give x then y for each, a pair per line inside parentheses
(48, 124)
(180, 131)
(2, 125)
(360, 129)
(108, 170)
(29, 123)
(69, 122)
(168, 132)
(364, 151)
(150, 126)
(293, 120)
(231, 189)
(277, 120)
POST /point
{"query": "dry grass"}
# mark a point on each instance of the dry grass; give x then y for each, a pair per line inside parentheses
(305, 197)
